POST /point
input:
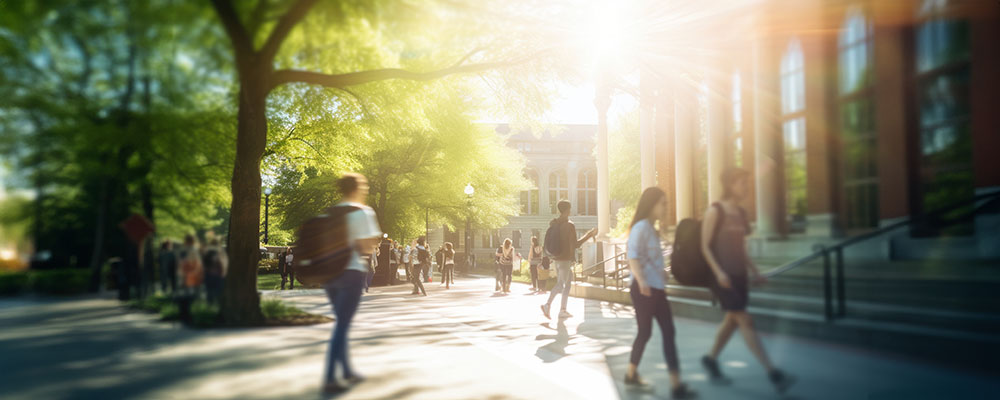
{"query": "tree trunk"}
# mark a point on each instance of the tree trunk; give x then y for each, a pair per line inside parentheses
(241, 302)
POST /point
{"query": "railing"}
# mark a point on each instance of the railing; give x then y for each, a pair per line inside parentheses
(834, 291)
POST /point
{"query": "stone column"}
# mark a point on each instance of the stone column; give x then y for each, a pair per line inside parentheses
(685, 130)
(719, 114)
(602, 100)
(766, 135)
(647, 145)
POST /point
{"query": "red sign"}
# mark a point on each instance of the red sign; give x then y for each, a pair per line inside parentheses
(137, 227)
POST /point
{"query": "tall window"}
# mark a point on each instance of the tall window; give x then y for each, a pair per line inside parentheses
(793, 105)
(586, 193)
(942, 88)
(737, 132)
(529, 198)
(857, 122)
(558, 189)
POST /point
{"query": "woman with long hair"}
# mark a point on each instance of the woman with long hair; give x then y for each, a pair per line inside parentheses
(648, 290)
(535, 260)
(723, 242)
(506, 265)
(448, 271)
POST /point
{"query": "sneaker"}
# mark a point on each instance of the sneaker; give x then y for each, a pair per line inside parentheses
(781, 381)
(712, 366)
(334, 388)
(683, 392)
(545, 311)
(564, 314)
(635, 380)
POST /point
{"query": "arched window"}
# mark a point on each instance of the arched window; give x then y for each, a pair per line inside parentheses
(857, 122)
(558, 189)
(586, 189)
(529, 198)
(942, 89)
(793, 105)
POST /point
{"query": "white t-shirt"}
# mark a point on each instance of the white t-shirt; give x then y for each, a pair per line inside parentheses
(361, 224)
(288, 259)
(406, 254)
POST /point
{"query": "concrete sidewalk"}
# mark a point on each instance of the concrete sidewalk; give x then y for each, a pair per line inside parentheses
(463, 343)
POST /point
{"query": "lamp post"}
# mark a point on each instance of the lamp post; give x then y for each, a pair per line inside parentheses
(267, 206)
(469, 191)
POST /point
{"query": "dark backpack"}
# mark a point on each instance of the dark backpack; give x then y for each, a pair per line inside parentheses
(424, 256)
(553, 244)
(687, 262)
(323, 247)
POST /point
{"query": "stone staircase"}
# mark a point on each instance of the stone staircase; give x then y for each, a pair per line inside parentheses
(944, 311)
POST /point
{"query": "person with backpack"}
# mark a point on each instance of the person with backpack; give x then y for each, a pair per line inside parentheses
(506, 265)
(418, 285)
(723, 244)
(344, 291)
(561, 243)
(534, 261)
(424, 258)
(648, 290)
(448, 271)
(216, 263)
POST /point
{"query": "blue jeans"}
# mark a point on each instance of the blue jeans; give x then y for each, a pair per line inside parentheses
(345, 296)
(564, 281)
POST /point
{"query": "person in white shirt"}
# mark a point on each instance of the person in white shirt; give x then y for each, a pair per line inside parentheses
(407, 262)
(345, 290)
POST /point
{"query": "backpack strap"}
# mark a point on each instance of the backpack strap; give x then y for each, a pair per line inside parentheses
(719, 221)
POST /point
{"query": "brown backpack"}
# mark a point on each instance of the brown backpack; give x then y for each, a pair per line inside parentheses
(323, 247)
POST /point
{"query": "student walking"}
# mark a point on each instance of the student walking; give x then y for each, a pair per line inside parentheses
(506, 265)
(567, 244)
(168, 266)
(288, 272)
(418, 285)
(724, 248)
(407, 264)
(216, 264)
(498, 269)
(393, 263)
(534, 261)
(649, 277)
(448, 270)
(344, 291)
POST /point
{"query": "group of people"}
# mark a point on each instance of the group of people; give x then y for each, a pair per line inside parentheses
(724, 229)
(194, 270)
(723, 244)
(416, 261)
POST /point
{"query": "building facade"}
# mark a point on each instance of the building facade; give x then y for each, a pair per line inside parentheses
(560, 164)
(850, 114)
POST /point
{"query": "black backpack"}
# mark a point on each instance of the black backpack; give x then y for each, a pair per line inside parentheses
(687, 262)
(323, 247)
(424, 256)
(553, 244)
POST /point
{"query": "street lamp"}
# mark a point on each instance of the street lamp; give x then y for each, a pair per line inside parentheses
(469, 191)
(267, 205)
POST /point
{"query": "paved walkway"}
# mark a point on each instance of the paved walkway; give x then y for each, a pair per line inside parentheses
(464, 343)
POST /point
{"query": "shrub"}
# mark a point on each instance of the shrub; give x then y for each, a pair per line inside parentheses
(203, 314)
(170, 312)
(60, 281)
(267, 266)
(12, 283)
(276, 309)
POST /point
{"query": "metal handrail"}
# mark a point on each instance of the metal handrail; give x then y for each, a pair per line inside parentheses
(818, 250)
(837, 275)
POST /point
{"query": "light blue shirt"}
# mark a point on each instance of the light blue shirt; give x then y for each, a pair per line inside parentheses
(644, 246)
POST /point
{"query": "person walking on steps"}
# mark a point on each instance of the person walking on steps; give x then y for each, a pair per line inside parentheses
(418, 284)
(534, 262)
(344, 291)
(566, 244)
(448, 270)
(649, 298)
(724, 248)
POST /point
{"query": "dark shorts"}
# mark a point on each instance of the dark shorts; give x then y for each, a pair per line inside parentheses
(734, 298)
